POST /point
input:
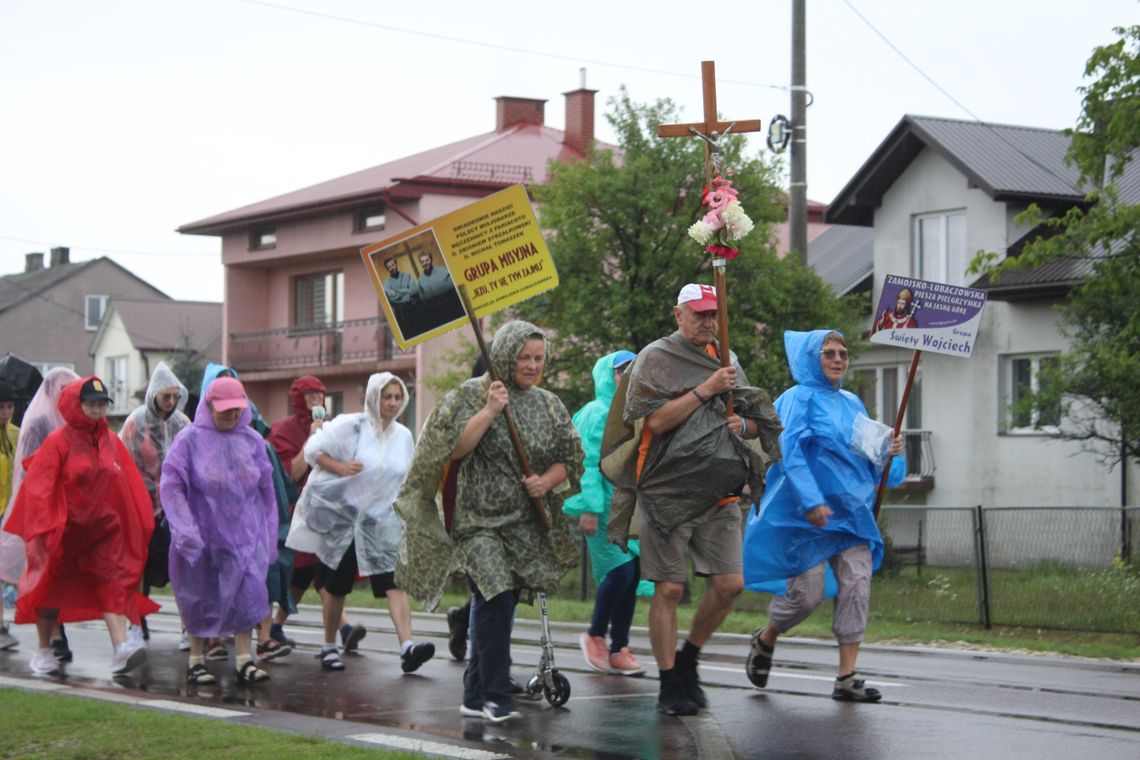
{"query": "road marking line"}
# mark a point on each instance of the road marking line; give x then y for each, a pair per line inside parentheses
(212, 712)
(430, 748)
(785, 674)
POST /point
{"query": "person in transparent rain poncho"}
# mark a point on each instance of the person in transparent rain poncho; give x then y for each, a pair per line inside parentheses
(40, 419)
(148, 433)
(217, 494)
(344, 514)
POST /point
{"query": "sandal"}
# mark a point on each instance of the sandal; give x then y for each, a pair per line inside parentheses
(271, 649)
(330, 660)
(250, 673)
(218, 652)
(198, 675)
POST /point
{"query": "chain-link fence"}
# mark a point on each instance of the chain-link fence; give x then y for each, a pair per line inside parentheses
(1071, 568)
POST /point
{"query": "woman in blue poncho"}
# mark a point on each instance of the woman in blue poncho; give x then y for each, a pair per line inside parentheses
(816, 512)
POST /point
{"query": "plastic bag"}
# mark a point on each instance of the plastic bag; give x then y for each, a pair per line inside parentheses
(870, 439)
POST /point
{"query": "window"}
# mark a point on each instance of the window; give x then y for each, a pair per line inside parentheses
(940, 247)
(265, 237)
(1021, 378)
(318, 299)
(370, 218)
(881, 388)
(115, 376)
(93, 310)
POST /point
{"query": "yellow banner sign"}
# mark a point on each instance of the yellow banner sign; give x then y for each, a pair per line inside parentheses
(493, 247)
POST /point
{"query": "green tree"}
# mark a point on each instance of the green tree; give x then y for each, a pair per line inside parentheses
(617, 224)
(1096, 381)
(187, 362)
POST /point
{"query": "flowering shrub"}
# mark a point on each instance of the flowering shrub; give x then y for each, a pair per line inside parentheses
(725, 221)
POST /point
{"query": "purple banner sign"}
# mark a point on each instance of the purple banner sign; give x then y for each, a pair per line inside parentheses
(928, 316)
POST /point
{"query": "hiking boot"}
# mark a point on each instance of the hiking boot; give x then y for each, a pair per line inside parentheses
(44, 663)
(596, 652)
(673, 699)
(7, 640)
(128, 656)
(759, 661)
(851, 689)
(350, 636)
(687, 668)
(416, 655)
(624, 663)
(458, 619)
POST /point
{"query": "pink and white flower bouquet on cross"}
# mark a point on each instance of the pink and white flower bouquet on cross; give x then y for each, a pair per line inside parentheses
(725, 221)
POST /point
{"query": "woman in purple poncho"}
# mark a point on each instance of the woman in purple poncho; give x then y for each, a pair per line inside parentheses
(217, 491)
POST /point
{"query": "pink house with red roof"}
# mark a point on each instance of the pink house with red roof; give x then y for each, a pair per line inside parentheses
(297, 298)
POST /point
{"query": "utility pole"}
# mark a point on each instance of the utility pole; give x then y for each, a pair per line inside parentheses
(797, 189)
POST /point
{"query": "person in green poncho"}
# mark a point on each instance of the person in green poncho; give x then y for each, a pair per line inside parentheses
(497, 538)
(615, 570)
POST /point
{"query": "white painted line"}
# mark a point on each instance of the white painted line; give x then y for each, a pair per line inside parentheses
(183, 707)
(429, 748)
(32, 684)
(805, 676)
(602, 696)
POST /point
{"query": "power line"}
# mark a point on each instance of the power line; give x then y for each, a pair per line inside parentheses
(120, 251)
(505, 48)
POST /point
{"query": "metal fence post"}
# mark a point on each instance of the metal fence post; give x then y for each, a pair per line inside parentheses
(981, 568)
(1125, 536)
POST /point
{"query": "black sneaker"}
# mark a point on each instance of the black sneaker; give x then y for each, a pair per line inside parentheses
(60, 648)
(851, 689)
(673, 699)
(416, 655)
(759, 661)
(687, 669)
(457, 621)
(350, 636)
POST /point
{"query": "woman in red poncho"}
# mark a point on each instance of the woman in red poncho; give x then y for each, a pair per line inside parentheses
(86, 520)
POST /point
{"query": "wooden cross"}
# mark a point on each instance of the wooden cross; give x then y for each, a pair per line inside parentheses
(712, 132)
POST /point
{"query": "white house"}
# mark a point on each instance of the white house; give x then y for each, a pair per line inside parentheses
(134, 335)
(931, 195)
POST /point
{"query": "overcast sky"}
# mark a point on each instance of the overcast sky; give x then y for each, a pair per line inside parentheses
(124, 119)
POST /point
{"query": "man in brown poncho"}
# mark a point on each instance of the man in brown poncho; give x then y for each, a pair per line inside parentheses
(675, 454)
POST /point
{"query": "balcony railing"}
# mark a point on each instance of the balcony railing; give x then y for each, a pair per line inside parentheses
(353, 340)
(919, 460)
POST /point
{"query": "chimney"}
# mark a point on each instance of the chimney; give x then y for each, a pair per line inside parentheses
(511, 111)
(60, 255)
(579, 116)
(33, 262)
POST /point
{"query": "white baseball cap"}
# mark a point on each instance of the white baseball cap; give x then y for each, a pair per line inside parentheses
(698, 297)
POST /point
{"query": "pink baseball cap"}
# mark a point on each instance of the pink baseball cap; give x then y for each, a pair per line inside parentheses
(226, 393)
(698, 297)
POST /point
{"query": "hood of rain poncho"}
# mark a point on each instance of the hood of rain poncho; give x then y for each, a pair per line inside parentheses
(147, 435)
(217, 492)
(288, 436)
(40, 420)
(82, 496)
(819, 467)
(597, 492)
(210, 374)
(492, 511)
(697, 464)
(334, 511)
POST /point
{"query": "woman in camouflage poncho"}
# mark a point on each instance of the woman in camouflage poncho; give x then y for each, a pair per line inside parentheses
(497, 539)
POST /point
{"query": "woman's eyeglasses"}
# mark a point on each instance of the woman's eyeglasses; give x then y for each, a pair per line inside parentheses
(166, 397)
(831, 353)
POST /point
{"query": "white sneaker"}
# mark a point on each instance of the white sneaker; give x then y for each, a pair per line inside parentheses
(184, 642)
(128, 656)
(7, 640)
(135, 635)
(44, 663)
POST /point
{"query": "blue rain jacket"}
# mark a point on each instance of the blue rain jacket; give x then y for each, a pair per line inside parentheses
(597, 493)
(818, 467)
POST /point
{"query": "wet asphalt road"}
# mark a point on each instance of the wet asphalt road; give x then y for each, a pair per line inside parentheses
(937, 703)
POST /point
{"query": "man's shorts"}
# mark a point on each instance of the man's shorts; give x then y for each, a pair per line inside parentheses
(713, 538)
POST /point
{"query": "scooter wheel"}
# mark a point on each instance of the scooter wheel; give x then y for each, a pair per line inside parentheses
(560, 692)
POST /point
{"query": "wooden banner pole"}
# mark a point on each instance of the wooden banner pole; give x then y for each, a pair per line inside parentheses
(538, 502)
(898, 427)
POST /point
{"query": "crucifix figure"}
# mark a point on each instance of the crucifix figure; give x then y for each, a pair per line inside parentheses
(713, 132)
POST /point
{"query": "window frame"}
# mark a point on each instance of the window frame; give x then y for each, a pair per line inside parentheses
(120, 396)
(103, 299)
(913, 420)
(363, 214)
(338, 300)
(917, 259)
(257, 238)
(1007, 392)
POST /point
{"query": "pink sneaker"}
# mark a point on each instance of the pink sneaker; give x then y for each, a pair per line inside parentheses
(625, 663)
(596, 653)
